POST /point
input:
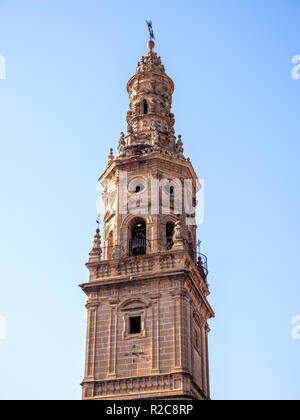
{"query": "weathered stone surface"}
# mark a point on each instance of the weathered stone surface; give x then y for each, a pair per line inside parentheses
(164, 287)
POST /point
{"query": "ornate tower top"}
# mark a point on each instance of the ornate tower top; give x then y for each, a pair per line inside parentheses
(150, 123)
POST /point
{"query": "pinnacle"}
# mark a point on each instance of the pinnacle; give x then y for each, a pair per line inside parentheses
(96, 251)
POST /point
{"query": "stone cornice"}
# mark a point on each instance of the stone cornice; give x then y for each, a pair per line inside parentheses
(153, 263)
(146, 386)
(150, 75)
(178, 263)
(119, 163)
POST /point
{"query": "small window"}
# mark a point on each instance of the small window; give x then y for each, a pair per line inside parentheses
(196, 339)
(145, 107)
(135, 325)
(169, 189)
(138, 189)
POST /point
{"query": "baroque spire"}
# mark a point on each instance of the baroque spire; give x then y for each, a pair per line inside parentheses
(150, 122)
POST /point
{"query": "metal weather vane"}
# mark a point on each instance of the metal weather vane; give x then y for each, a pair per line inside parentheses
(98, 221)
(150, 29)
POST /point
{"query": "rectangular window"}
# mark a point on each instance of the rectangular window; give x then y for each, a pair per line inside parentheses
(135, 325)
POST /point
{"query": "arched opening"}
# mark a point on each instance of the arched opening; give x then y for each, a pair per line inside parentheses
(145, 107)
(110, 245)
(169, 235)
(138, 242)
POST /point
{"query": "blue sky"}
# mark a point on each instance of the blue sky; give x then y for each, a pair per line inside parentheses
(236, 105)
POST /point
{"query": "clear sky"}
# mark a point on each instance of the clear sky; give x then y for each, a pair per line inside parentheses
(64, 103)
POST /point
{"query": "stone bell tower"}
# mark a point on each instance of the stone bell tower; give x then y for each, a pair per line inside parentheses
(147, 293)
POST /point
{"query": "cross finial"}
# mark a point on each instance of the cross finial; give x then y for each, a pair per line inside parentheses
(98, 223)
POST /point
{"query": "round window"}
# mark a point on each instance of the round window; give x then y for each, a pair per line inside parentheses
(137, 186)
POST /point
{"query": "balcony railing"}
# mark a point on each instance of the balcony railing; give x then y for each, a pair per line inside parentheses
(202, 265)
(138, 246)
(142, 246)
